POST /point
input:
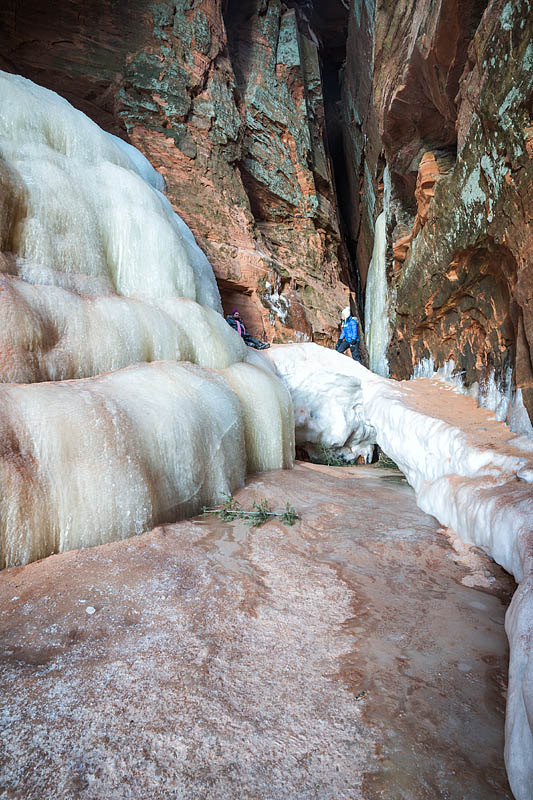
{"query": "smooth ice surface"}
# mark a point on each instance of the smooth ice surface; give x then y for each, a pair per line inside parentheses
(466, 472)
(376, 302)
(87, 210)
(98, 273)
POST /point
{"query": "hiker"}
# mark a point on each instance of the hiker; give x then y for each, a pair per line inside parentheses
(349, 337)
(234, 319)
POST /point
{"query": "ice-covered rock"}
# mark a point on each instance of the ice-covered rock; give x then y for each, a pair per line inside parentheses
(376, 302)
(327, 399)
(98, 274)
(91, 461)
(50, 333)
(83, 214)
(467, 470)
(497, 395)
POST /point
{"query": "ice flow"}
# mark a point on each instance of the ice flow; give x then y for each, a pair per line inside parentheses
(467, 469)
(99, 276)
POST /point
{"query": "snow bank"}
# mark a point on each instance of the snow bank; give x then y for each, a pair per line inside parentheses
(327, 401)
(479, 484)
(97, 273)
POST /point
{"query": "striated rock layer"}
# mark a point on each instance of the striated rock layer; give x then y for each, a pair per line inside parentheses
(452, 85)
(226, 102)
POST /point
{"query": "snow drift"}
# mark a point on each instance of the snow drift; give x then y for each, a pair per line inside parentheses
(476, 479)
(97, 273)
(328, 403)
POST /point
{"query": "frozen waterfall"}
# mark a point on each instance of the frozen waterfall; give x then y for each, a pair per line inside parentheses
(98, 276)
(376, 302)
(83, 213)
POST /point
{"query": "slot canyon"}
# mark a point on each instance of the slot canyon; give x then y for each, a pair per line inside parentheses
(236, 561)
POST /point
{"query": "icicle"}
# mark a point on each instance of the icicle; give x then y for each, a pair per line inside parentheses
(376, 303)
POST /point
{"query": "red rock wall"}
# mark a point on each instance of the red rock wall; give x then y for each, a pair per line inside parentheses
(229, 108)
(227, 101)
(452, 87)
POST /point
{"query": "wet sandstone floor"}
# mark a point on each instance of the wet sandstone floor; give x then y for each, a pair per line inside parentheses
(224, 662)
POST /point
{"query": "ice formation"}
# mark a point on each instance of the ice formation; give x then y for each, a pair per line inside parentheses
(476, 479)
(376, 302)
(97, 275)
(268, 416)
(85, 214)
(497, 396)
(50, 333)
(92, 461)
(328, 412)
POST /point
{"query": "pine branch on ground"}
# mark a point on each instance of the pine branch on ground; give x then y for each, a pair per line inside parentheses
(260, 512)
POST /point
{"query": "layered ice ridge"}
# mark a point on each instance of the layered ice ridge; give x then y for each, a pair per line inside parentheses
(467, 469)
(98, 276)
(86, 209)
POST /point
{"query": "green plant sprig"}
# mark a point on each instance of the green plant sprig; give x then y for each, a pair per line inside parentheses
(261, 512)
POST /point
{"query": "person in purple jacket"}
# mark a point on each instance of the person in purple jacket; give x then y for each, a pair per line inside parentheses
(349, 337)
(234, 319)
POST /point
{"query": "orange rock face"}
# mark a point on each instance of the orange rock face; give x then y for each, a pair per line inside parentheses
(229, 108)
(451, 94)
(428, 175)
(401, 242)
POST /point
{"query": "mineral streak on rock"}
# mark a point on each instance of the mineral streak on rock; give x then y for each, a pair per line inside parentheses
(230, 110)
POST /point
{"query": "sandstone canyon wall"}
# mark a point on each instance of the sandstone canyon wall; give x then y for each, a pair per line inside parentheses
(283, 130)
(226, 101)
(442, 113)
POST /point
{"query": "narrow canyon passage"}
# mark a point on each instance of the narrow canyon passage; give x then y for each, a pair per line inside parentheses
(348, 172)
(355, 655)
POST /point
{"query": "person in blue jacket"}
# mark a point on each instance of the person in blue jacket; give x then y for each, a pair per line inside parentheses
(349, 337)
